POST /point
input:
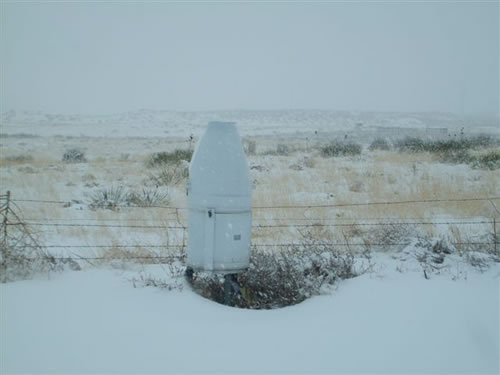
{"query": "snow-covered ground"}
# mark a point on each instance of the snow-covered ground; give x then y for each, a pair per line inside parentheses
(153, 123)
(393, 318)
(385, 321)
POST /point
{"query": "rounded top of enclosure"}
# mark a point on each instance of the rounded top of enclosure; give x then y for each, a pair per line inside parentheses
(219, 166)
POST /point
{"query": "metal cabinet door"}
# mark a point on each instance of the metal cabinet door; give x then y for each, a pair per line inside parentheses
(232, 239)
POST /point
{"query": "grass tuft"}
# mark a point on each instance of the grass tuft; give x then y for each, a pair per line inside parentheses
(169, 158)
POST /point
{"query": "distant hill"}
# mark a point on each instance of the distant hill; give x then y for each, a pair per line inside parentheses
(148, 123)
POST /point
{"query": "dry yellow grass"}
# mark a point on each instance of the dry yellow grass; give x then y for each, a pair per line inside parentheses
(373, 177)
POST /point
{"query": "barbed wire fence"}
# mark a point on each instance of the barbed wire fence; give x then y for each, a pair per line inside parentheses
(20, 249)
(11, 215)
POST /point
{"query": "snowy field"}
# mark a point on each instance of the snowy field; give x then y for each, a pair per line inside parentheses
(384, 322)
(400, 315)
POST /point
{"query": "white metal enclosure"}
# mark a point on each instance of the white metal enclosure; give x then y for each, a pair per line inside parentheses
(219, 200)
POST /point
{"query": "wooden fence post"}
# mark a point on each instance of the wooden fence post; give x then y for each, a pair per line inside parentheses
(495, 240)
(5, 243)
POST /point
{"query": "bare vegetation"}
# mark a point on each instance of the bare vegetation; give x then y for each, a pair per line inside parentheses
(338, 148)
(22, 254)
(309, 162)
(109, 198)
(20, 158)
(74, 155)
(279, 278)
(122, 256)
(250, 146)
(114, 197)
(169, 175)
(413, 144)
(390, 237)
(411, 174)
(456, 150)
(282, 149)
(380, 144)
(148, 197)
(169, 158)
(489, 160)
(18, 135)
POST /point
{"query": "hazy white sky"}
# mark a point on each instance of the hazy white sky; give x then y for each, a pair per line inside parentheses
(92, 57)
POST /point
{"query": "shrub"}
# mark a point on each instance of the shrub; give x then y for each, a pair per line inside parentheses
(115, 197)
(390, 236)
(111, 198)
(479, 260)
(27, 169)
(379, 144)
(455, 150)
(20, 158)
(148, 197)
(277, 279)
(296, 167)
(169, 175)
(124, 156)
(173, 282)
(172, 264)
(410, 144)
(18, 135)
(490, 160)
(283, 277)
(74, 155)
(175, 157)
(309, 162)
(250, 147)
(282, 149)
(480, 141)
(456, 157)
(357, 186)
(337, 148)
(89, 180)
(430, 253)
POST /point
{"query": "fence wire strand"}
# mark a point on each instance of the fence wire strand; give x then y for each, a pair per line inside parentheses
(170, 256)
(442, 200)
(256, 226)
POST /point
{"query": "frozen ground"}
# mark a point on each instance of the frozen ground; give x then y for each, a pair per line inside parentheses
(382, 322)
